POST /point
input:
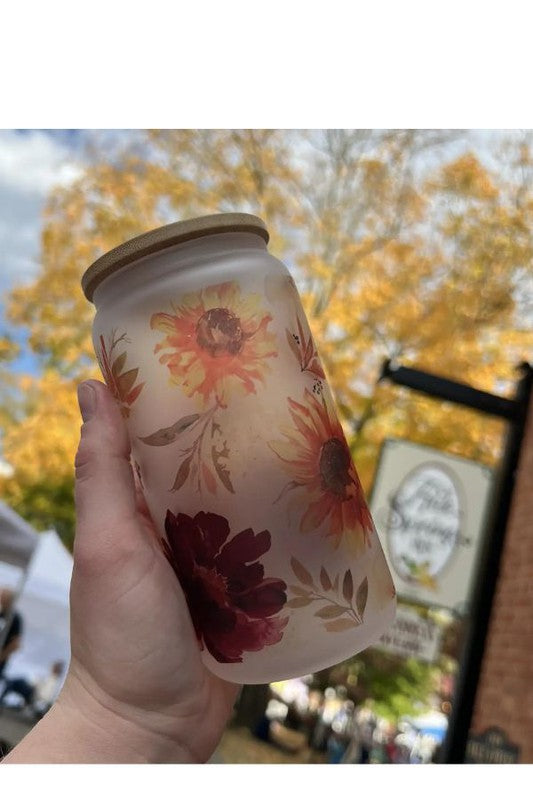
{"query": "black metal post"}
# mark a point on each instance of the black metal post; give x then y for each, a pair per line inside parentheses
(452, 391)
(454, 748)
(515, 412)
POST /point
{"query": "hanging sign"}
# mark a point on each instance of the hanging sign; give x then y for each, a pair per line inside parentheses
(412, 635)
(429, 508)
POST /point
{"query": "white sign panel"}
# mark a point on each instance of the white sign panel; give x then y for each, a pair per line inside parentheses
(429, 508)
(412, 636)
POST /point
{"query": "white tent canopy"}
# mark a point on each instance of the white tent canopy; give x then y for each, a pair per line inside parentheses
(44, 606)
(17, 538)
(43, 601)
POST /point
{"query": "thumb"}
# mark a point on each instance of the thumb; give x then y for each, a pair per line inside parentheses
(105, 493)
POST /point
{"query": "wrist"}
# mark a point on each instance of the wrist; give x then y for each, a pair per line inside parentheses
(81, 729)
(112, 732)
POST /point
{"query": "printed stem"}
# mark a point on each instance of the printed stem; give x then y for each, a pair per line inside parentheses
(350, 609)
(196, 447)
(114, 341)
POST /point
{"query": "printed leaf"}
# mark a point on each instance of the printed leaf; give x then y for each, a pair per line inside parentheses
(168, 435)
(134, 394)
(209, 479)
(325, 580)
(118, 364)
(328, 612)
(222, 470)
(341, 625)
(299, 590)
(293, 344)
(347, 586)
(299, 602)
(182, 474)
(301, 573)
(300, 333)
(362, 596)
(308, 350)
(288, 488)
(336, 584)
(316, 368)
(126, 381)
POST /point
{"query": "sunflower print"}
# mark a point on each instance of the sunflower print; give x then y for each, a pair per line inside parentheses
(315, 454)
(217, 343)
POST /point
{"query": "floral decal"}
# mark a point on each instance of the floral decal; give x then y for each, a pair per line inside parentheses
(218, 342)
(339, 613)
(232, 604)
(121, 381)
(203, 456)
(305, 351)
(316, 456)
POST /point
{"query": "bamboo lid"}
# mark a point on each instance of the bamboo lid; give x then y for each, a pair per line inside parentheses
(167, 236)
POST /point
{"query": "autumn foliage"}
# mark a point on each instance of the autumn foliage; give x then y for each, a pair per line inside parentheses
(409, 245)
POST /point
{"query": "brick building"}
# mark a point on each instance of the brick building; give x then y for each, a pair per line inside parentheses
(504, 696)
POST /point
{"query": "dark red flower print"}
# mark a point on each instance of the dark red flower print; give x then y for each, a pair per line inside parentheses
(232, 604)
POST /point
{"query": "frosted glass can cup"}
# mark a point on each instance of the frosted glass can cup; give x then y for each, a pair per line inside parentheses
(201, 336)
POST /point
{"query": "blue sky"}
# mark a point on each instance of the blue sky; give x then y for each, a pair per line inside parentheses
(33, 161)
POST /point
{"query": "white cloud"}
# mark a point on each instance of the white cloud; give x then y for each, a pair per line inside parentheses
(6, 470)
(31, 163)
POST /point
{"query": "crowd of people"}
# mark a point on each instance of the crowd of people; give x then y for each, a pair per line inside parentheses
(336, 731)
(326, 725)
(17, 691)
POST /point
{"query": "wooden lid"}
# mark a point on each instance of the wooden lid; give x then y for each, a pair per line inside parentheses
(167, 236)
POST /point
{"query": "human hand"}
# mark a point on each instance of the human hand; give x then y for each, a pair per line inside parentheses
(136, 679)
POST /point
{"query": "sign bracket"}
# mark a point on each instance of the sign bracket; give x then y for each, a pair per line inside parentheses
(515, 412)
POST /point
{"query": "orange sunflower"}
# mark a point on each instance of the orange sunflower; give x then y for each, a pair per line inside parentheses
(316, 456)
(218, 342)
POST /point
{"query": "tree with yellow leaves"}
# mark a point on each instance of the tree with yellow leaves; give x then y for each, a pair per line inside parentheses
(404, 244)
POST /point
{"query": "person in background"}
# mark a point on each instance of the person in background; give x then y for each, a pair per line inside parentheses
(37, 697)
(367, 729)
(391, 748)
(10, 619)
(341, 732)
(353, 753)
(19, 689)
(47, 689)
(326, 715)
(311, 716)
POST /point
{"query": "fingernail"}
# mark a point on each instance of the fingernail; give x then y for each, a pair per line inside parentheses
(86, 400)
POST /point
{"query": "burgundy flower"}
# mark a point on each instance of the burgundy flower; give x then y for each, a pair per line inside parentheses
(231, 603)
